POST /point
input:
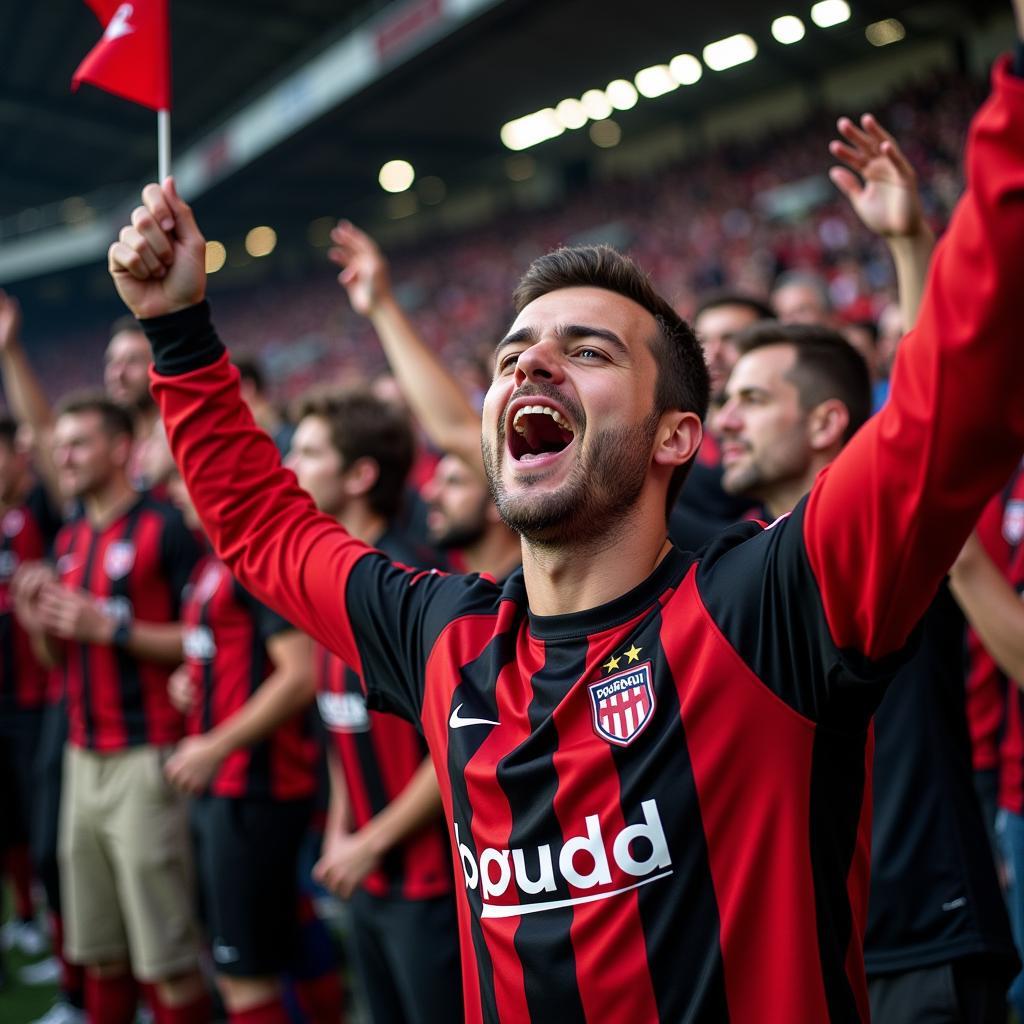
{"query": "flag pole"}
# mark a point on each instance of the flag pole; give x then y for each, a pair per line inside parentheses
(163, 140)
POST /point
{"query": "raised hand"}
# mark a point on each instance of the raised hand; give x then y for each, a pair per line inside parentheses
(364, 269)
(158, 262)
(885, 195)
(10, 320)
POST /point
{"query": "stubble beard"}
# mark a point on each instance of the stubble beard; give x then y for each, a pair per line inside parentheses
(602, 489)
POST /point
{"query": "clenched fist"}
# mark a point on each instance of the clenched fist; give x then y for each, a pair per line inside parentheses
(158, 262)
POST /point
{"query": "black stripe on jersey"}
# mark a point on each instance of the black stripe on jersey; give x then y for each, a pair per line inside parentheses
(657, 767)
(837, 795)
(478, 684)
(88, 720)
(260, 771)
(542, 940)
(133, 709)
(208, 665)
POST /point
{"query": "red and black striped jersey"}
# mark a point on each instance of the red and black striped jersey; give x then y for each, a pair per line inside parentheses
(658, 808)
(379, 755)
(26, 535)
(226, 634)
(137, 567)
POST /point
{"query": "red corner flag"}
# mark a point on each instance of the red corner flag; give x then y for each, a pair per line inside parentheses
(132, 60)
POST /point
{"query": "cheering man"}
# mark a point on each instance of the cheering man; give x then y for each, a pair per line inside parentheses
(653, 765)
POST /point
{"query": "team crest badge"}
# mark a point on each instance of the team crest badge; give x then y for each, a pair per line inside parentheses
(623, 704)
(119, 559)
(1013, 522)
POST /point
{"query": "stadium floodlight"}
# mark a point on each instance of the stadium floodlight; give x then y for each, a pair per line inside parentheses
(216, 256)
(686, 69)
(827, 13)
(882, 33)
(261, 241)
(605, 133)
(621, 94)
(571, 114)
(655, 81)
(788, 29)
(524, 132)
(596, 104)
(727, 53)
(396, 176)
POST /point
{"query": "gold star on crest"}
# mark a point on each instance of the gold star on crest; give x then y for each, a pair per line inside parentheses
(633, 654)
(611, 664)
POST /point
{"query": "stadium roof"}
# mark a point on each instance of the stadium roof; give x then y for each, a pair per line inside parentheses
(442, 109)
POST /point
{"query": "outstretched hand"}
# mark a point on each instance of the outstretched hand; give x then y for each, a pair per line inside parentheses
(364, 268)
(158, 262)
(885, 196)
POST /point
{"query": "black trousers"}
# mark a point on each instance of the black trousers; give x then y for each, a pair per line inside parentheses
(970, 990)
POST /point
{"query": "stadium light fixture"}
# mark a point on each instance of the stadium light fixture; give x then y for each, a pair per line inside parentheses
(596, 104)
(524, 132)
(727, 53)
(396, 176)
(216, 256)
(571, 114)
(621, 94)
(260, 241)
(882, 33)
(788, 29)
(685, 68)
(655, 81)
(605, 133)
(827, 13)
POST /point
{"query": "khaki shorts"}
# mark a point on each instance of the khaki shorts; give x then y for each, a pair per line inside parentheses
(126, 864)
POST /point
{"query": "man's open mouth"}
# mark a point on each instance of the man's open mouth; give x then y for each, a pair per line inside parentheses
(536, 431)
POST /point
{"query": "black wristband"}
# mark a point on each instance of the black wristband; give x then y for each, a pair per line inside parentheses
(183, 341)
(1018, 59)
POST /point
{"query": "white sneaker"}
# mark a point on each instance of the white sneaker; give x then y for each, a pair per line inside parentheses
(45, 972)
(29, 938)
(62, 1013)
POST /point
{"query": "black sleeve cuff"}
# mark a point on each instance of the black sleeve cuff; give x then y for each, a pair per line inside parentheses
(183, 341)
(1018, 59)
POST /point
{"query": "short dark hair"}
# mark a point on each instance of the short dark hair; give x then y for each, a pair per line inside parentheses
(682, 373)
(250, 369)
(115, 419)
(8, 430)
(362, 426)
(125, 323)
(723, 297)
(827, 366)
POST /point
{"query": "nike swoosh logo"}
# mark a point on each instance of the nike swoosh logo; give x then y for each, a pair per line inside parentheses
(457, 721)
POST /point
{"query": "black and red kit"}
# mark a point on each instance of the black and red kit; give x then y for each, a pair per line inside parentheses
(137, 566)
(26, 535)
(226, 634)
(379, 755)
(659, 808)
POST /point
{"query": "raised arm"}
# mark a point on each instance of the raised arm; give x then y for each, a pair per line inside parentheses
(261, 523)
(885, 196)
(435, 396)
(885, 521)
(25, 395)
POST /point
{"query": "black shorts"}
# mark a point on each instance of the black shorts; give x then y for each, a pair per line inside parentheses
(19, 737)
(406, 958)
(968, 990)
(246, 855)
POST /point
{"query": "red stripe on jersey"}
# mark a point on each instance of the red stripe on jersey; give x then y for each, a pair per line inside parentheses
(607, 936)
(756, 821)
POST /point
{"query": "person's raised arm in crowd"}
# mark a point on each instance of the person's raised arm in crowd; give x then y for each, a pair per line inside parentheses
(434, 395)
(886, 199)
(28, 402)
